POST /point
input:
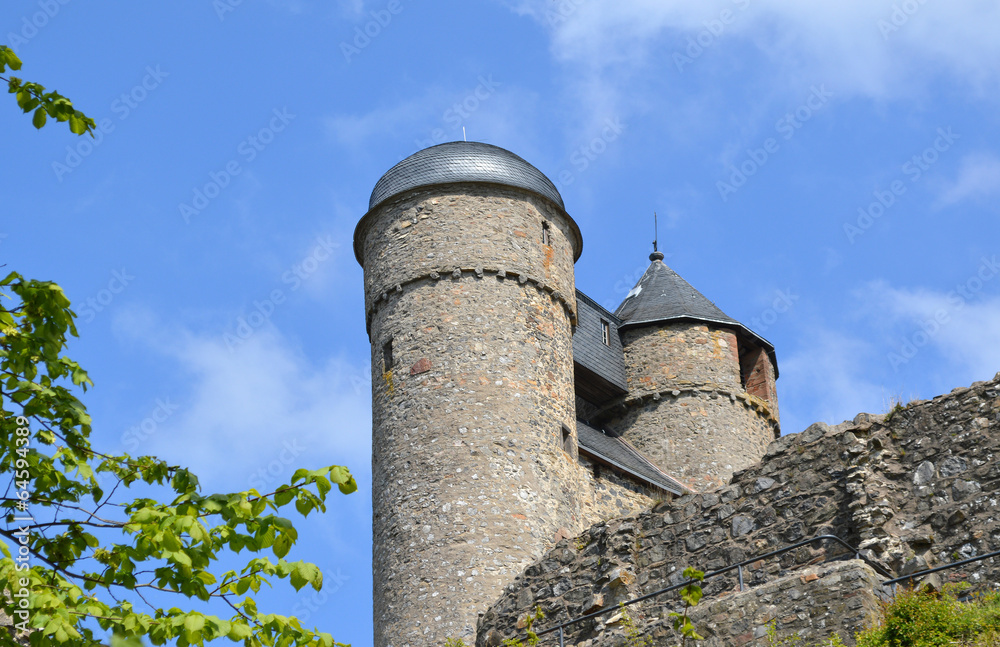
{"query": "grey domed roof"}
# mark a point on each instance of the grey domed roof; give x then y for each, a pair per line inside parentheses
(462, 162)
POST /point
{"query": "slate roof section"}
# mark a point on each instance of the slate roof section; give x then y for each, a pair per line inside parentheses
(600, 367)
(662, 295)
(620, 453)
(462, 162)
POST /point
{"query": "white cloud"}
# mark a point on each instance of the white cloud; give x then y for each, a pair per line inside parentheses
(979, 176)
(857, 47)
(260, 411)
(962, 325)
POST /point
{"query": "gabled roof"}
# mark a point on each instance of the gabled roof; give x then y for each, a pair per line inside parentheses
(620, 453)
(661, 295)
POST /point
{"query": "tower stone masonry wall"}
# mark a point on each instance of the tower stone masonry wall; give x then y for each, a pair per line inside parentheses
(686, 408)
(476, 228)
(471, 481)
(662, 355)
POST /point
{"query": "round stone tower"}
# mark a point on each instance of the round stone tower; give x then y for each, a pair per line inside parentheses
(470, 305)
(701, 401)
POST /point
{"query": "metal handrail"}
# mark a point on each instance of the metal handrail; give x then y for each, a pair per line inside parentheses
(738, 567)
(941, 568)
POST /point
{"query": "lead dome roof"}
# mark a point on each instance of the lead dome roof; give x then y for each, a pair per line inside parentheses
(462, 162)
(454, 162)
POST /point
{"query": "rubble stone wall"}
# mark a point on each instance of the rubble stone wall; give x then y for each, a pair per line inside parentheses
(686, 408)
(915, 488)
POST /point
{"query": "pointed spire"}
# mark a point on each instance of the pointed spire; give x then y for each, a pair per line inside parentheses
(656, 255)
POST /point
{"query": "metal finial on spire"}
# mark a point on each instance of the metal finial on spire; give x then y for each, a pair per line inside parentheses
(656, 255)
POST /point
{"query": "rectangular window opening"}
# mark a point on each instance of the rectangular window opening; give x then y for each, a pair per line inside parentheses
(387, 356)
(567, 440)
(605, 332)
(546, 239)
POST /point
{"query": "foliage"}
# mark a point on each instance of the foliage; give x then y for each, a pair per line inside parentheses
(691, 595)
(529, 620)
(99, 556)
(633, 635)
(32, 97)
(923, 618)
(795, 640)
(454, 642)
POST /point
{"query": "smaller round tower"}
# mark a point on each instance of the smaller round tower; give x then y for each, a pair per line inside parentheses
(701, 401)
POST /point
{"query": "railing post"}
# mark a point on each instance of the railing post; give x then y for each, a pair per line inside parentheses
(740, 569)
(561, 636)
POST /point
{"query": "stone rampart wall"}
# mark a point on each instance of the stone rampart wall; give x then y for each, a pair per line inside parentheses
(919, 487)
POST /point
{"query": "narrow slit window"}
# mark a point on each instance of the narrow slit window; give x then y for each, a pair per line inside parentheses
(605, 332)
(546, 238)
(567, 440)
(387, 356)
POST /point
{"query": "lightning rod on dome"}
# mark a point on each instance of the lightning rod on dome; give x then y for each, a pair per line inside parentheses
(463, 134)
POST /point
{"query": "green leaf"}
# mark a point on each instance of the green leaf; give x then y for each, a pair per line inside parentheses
(238, 631)
(40, 118)
(78, 124)
(691, 594)
(282, 544)
(8, 58)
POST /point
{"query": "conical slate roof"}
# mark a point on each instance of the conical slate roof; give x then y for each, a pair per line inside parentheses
(661, 295)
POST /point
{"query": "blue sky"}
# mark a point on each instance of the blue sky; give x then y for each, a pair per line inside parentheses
(826, 172)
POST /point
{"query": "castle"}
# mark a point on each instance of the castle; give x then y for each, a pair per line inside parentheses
(509, 409)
